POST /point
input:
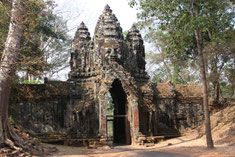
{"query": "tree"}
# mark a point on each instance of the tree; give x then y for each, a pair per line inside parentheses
(219, 53)
(185, 26)
(198, 35)
(7, 71)
(28, 21)
(45, 45)
(218, 45)
(168, 67)
(57, 50)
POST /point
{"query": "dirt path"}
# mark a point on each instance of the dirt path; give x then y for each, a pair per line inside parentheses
(130, 151)
(187, 146)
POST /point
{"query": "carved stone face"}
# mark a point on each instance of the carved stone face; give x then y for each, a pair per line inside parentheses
(108, 46)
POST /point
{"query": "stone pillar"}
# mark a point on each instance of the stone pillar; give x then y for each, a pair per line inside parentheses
(134, 121)
(102, 117)
(150, 124)
(155, 123)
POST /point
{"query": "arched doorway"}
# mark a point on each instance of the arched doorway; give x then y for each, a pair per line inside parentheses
(119, 118)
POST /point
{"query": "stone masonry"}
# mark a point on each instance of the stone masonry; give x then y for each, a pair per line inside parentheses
(105, 66)
(109, 63)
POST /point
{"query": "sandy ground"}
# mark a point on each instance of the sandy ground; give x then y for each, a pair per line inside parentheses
(189, 145)
(185, 146)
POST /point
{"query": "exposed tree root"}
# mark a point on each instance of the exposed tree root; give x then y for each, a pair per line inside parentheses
(12, 144)
(10, 137)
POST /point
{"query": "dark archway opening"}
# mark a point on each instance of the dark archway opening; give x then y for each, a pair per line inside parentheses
(121, 125)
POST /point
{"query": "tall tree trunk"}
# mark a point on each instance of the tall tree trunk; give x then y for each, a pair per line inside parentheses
(205, 91)
(198, 35)
(215, 79)
(216, 92)
(7, 71)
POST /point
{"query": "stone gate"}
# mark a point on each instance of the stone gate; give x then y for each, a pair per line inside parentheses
(110, 63)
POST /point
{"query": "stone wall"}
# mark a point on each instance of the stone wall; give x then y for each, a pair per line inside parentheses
(40, 108)
(50, 107)
(178, 107)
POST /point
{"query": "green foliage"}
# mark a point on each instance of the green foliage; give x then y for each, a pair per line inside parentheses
(110, 108)
(125, 34)
(109, 104)
(44, 34)
(160, 75)
(33, 82)
(172, 23)
(170, 26)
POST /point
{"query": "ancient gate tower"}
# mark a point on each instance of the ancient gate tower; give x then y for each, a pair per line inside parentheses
(109, 63)
(107, 67)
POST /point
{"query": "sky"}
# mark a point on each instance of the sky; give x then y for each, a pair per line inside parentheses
(89, 11)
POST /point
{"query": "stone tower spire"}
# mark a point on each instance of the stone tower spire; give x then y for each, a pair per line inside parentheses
(108, 38)
(136, 48)
(80, 48)
(107, 9)
(82, 36)
(108, 25)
